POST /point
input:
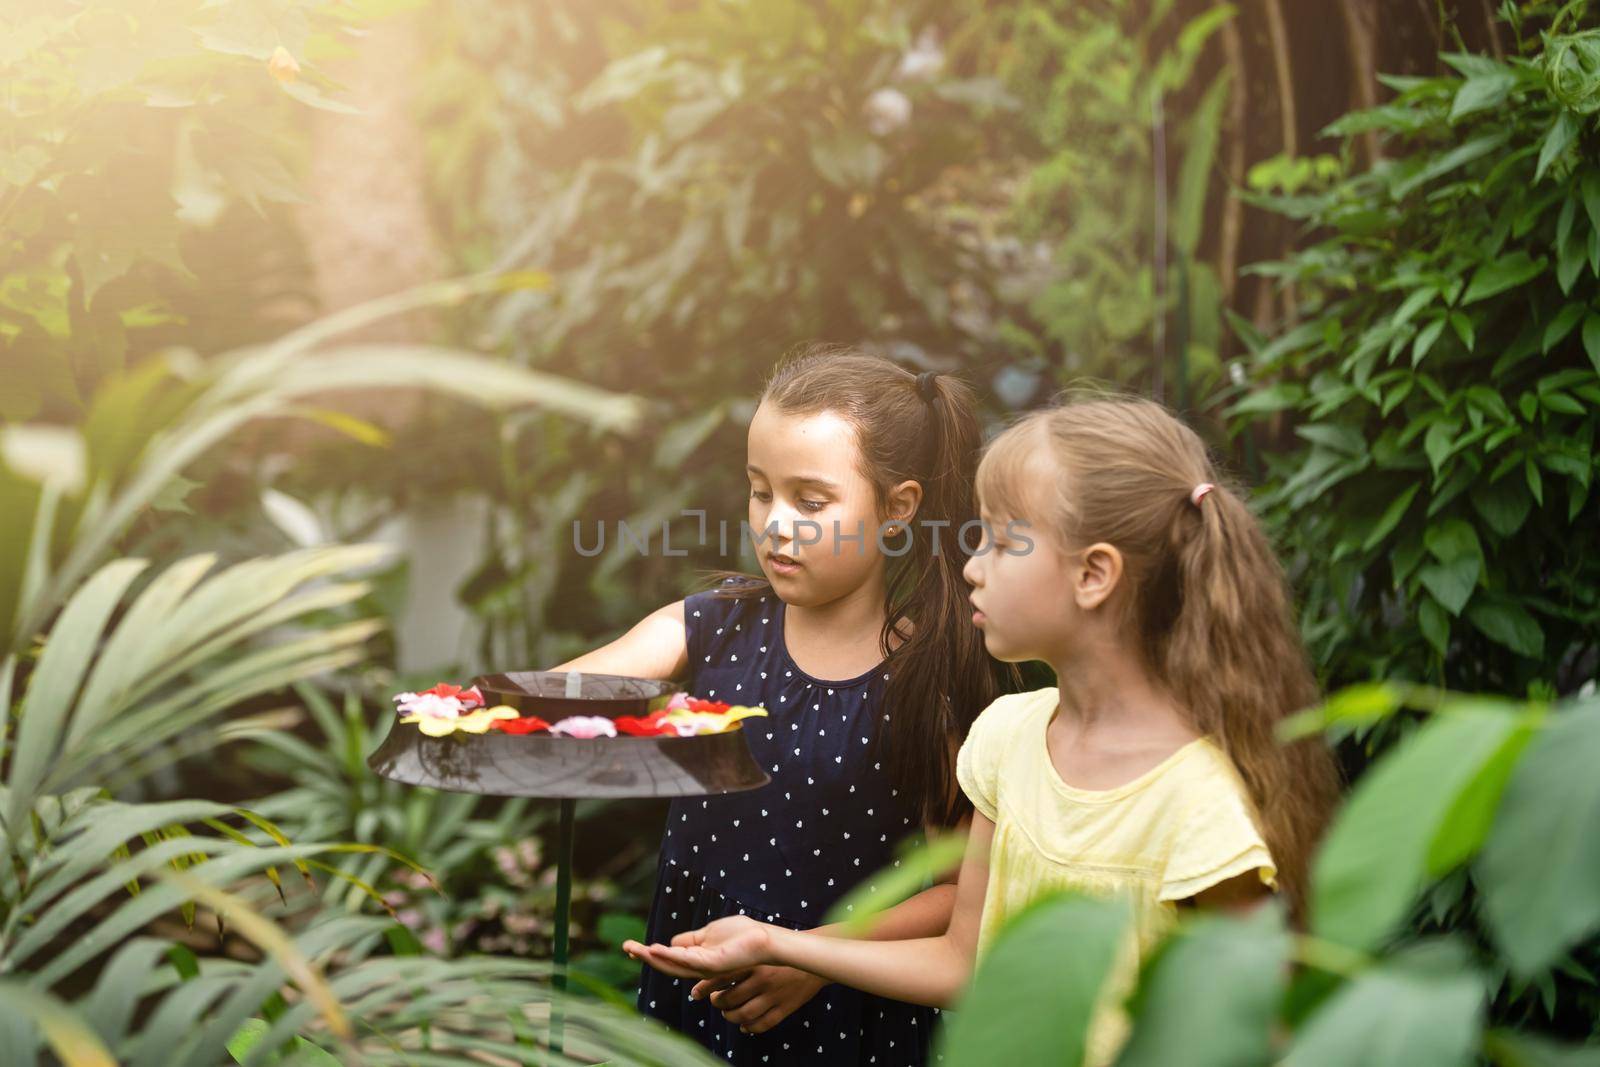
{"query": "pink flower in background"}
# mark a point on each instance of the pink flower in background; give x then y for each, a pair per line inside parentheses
(678, 700)
(585, 726)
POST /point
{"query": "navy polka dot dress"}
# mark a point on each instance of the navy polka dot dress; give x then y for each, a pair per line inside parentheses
(828, 820)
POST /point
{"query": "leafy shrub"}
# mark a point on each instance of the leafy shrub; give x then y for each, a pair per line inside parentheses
(1485, 788)
(1443, 388)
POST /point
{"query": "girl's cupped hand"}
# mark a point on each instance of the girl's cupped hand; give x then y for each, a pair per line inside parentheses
(737, 943)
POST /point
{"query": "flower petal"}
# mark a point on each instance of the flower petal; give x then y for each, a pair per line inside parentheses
(434, 726)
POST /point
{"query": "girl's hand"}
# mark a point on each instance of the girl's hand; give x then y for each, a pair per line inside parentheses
(736, 943)
(760, 998)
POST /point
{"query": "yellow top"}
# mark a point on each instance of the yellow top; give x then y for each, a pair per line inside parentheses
(1184, 825)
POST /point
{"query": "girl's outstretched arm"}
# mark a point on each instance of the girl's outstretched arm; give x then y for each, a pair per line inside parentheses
(656, 647)
(928, 970)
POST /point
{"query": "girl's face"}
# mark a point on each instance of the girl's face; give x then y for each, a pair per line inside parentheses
(1033, 600)
(808, 502)
(1019, 594)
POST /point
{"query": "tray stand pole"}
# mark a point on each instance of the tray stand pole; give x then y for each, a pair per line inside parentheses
(563, 916)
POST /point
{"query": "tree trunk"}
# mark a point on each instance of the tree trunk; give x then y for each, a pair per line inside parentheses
(1360, 28)
(366, 221)
(1283, 68)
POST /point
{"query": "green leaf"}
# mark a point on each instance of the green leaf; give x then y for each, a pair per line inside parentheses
(1436, 443)
(1570, 257)
(1562, 324)
(1464, 329)
(1274, 397)
(48, 702)
(1337, 436)
(303, 1053)
(1561, 404)
(1434, 622)
(1483, 91)
(1375, 860)
(1562, 133)
(1452, 540)
(1465, 826)
(1451, 584)
(1460, 156)
(1425, 1005)
(22, 1008)
(1540, 868)
(1509, 624)
(854, 912)
(1363, 703)
(1210, 996)
(1009, 1015)
(1391, 517)
(1414, 303)
(1507, 272)
(1425, 339)
(1591, 338)
(1504, 505)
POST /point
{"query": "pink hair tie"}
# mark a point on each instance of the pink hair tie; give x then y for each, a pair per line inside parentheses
(1200, 492)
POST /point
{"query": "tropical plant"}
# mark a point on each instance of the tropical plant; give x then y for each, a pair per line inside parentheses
(101, 681)
(1443, 387)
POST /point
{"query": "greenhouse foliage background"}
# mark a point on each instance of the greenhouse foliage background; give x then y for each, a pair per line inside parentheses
(321, 322)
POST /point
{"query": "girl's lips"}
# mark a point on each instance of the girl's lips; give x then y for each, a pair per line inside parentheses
(783, 565)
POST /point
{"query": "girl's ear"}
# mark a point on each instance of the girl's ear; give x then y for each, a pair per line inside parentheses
(904, 500)
(1096, 577)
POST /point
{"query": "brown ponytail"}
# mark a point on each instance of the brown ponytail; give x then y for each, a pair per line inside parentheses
(1210, 606)
(940, 675)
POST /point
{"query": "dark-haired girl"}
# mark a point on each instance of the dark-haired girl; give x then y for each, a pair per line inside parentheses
(858, 641)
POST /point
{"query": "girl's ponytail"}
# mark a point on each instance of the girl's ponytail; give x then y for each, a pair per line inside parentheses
(1233, 656)
(943, 666)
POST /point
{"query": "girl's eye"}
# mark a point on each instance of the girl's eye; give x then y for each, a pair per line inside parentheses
(761, 495)
(813, 505)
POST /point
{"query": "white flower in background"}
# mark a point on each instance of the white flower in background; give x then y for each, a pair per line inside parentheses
(886, 111)
(924, 61)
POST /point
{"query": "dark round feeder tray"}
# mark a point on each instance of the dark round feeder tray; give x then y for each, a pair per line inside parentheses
(539, 765)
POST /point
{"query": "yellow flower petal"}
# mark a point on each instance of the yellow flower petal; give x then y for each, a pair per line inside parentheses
(714, 722)
(475, 722)
(501, 711)
(436, 726)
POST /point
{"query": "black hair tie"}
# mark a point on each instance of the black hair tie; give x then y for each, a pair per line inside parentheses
(925, 387)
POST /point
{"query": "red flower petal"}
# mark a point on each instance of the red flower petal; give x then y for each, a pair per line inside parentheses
(646, 726)
(696, 704)
(531, 724)
(444, 689)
